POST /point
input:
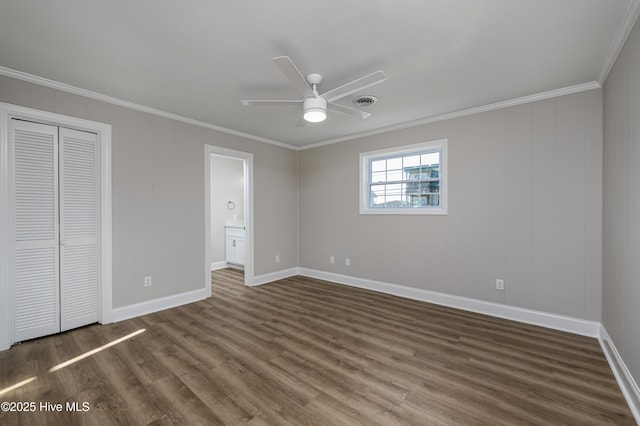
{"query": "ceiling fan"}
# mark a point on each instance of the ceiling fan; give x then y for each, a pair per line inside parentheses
(314, 104)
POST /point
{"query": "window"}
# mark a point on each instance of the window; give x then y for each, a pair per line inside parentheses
(405, 180)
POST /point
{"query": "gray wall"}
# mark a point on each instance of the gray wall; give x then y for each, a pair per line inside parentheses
(227, 184)
(158, 194)
(525, 204)
(621, 266)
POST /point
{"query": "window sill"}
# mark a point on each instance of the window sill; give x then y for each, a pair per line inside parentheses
(404, 211)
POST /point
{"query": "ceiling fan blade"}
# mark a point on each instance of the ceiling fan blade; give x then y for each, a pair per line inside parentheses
(290, 71)
(355, 86)
(349, 111)
(268, 102)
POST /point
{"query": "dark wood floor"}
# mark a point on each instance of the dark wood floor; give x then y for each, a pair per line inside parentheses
(303, 351)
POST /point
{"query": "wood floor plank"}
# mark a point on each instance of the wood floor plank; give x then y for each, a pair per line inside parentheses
(226, 402)
(302, 351)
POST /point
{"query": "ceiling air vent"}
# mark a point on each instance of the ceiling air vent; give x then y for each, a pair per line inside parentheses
(364, 101)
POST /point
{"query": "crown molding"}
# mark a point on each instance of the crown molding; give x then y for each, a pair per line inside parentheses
(629, 20)
(464, 112)
(8, 72)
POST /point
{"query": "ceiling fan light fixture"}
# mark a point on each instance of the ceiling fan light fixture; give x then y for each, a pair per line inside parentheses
(315, 115)
(315, 109)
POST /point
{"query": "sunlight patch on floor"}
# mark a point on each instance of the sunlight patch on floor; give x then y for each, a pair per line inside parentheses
(94, 351)
(17, 385)
(73, 360)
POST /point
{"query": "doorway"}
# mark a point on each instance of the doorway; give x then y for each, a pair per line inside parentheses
(229, 211)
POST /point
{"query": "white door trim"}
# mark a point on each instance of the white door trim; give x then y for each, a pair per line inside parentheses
(248, 217)
(7, 112)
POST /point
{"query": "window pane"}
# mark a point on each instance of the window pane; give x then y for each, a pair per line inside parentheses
(394, 192)
(430, 158)
(376, 196)
(378, 189)
(394, 175)
(394, 163)
(411, 161)
(378, 177)
(378, 165)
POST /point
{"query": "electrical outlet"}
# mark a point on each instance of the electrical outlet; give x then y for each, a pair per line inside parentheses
(277, 258)
(147, 281)
(347, 262)
(332, 260)
(500, 285)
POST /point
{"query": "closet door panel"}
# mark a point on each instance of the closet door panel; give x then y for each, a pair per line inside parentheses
(78, 228)
(35, 195)
(36, 293)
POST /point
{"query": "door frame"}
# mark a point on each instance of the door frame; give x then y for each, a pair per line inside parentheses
(103, 131)
(247, 158)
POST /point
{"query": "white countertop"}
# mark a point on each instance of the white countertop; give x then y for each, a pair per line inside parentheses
(234, 223)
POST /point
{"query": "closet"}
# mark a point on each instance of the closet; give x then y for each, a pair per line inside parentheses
(55, 228)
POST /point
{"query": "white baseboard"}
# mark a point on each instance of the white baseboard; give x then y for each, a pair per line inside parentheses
(223, 265)
(218, 265)
(234, 266)
(528, 316)
(275, 276)
(623, 376)
(155, 305)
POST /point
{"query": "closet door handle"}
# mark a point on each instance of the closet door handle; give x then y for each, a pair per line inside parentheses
(63, 242)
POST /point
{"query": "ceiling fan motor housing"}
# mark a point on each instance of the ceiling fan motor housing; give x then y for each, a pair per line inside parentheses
(315, 109)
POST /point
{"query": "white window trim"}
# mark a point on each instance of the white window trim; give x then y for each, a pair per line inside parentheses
(7, 112)
(364, 182)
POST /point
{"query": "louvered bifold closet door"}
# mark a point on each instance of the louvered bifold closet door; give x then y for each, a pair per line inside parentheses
(78, 229)
(35, 194)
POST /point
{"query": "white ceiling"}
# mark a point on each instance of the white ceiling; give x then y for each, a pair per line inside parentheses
(198, 58)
